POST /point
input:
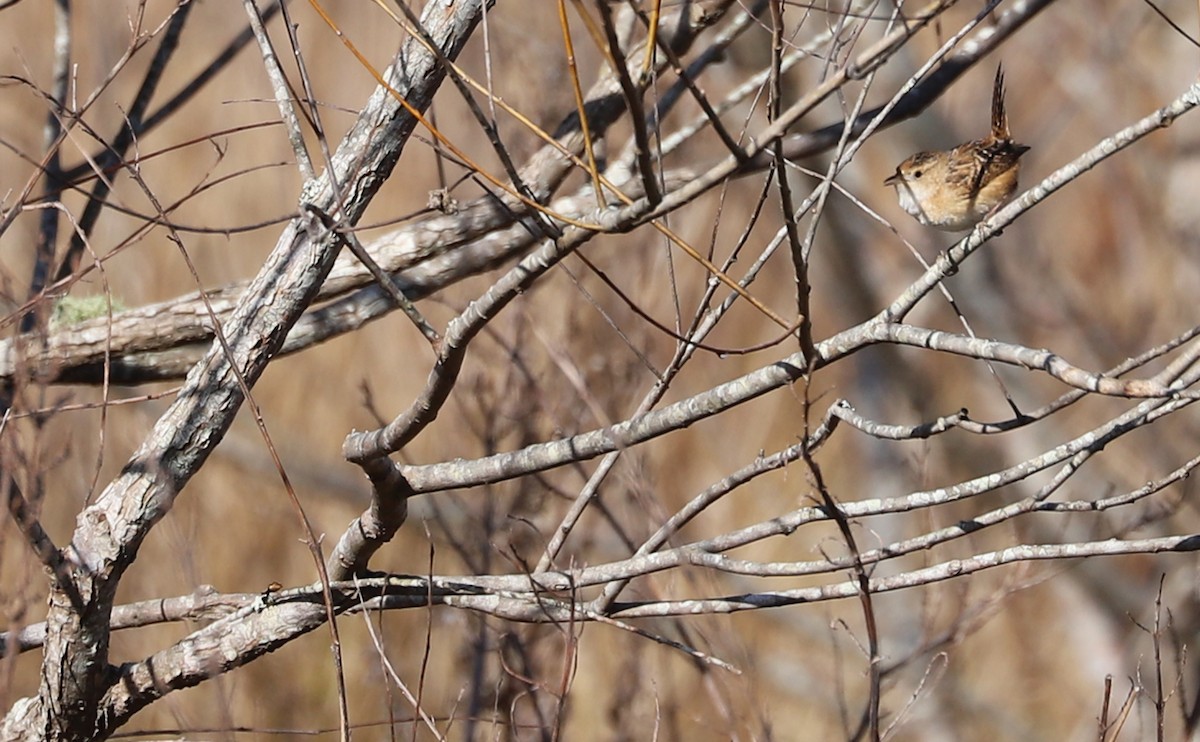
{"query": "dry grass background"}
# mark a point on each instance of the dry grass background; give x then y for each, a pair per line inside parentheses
(1098, 273)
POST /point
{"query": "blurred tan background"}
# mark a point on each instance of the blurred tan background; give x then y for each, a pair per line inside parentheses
(1100, 272)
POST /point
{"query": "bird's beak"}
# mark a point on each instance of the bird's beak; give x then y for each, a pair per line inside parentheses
(893, 179)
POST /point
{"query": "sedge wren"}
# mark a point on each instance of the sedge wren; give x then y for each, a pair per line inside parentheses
(955, 189)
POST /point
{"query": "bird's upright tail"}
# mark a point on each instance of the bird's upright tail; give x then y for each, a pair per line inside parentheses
(999, 117)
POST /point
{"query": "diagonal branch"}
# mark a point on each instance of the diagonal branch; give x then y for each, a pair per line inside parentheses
(108, 533)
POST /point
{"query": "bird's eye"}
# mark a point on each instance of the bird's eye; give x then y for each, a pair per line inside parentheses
(916, 173)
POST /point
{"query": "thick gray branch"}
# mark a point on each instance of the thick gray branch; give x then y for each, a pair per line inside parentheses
(108, 533)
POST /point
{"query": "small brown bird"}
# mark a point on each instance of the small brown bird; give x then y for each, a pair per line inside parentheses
(955, 189)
